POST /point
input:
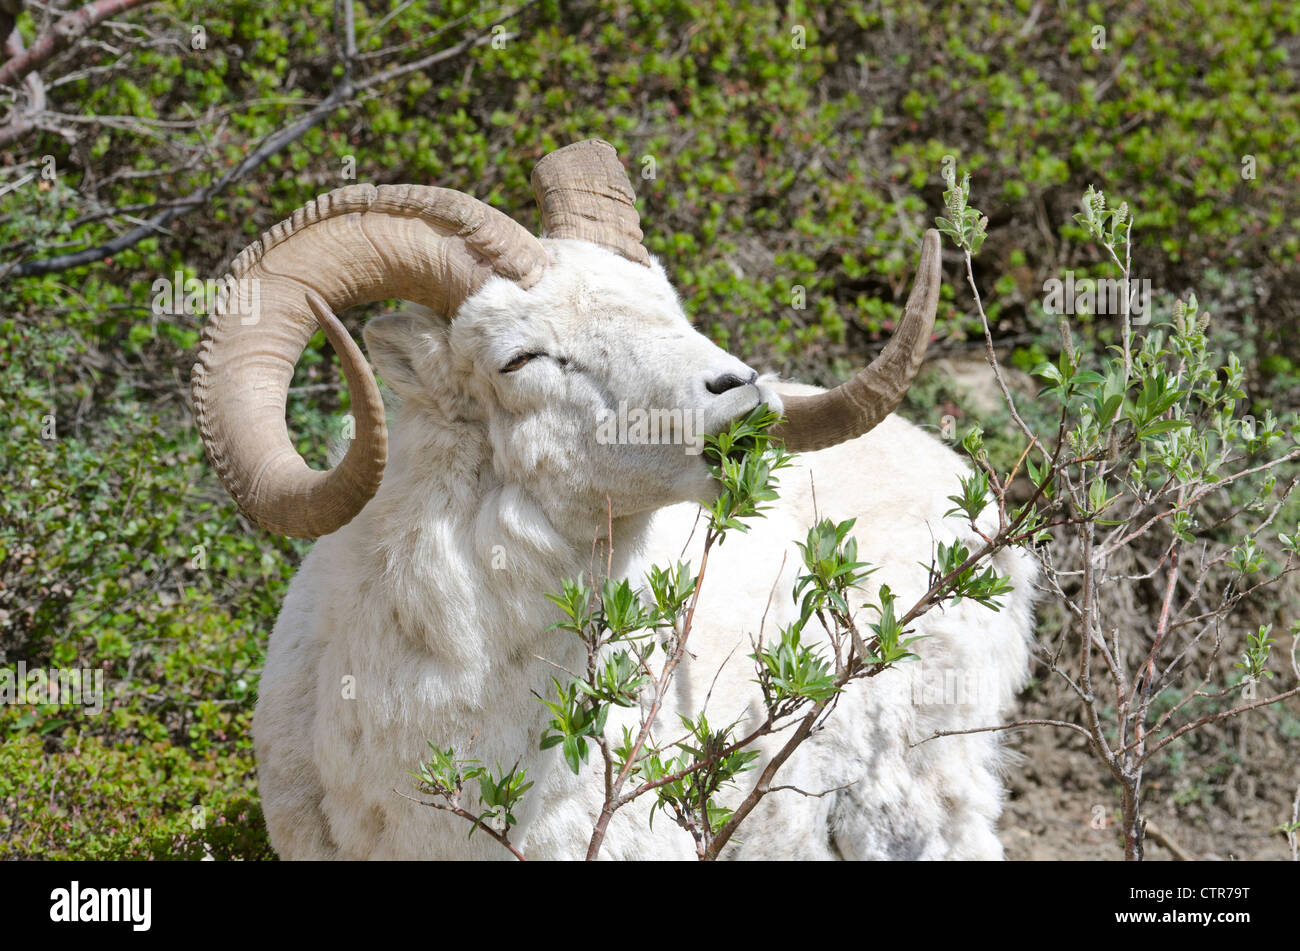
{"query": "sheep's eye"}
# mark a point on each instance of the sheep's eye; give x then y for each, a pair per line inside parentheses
(518, 361)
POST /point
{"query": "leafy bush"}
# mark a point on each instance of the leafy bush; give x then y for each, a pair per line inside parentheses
(791, 160)
(117, 554)
(1149, 472)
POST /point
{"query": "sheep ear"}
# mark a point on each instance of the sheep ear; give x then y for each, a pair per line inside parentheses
(398, 344)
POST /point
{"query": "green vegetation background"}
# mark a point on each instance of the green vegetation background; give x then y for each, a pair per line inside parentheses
(774, 166)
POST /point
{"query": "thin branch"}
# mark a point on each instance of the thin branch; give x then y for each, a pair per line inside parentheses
(814, 795)
(1158, 836)
(612, 802)
(1293, 834)
(763, 786)
(466, 814)
(992, 355)
(1162, 628)
(21, 121)
(1200, 493)
(1195, 724)
(63, 34)
(1063, 724)
(271, 145)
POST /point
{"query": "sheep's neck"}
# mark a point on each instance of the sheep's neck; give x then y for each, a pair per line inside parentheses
(467, 559)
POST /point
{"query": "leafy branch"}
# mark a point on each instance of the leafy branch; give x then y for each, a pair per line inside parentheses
(1145, 443)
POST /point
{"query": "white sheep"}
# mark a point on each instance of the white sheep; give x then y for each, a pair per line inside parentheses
(419, 614)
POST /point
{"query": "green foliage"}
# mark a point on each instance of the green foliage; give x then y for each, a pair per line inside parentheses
(974, 496)
(830, 556)
(671, 588)
(621, 610)
(499, 792)
(1254, 658)
(443, 773)
(1152, 437)
(691, 797)
(966, 578)
(966, 226)
(94, 799)
(791, 669)
(772, 165)
(117, 553)
(744, 463)
(574, 600)
(577, 715)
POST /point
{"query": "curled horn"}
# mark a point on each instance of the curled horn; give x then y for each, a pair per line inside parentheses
(352, 246)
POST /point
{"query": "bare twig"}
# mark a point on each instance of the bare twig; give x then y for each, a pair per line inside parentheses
(1015, 725)
(1160, 837)
(65, 32)
(992, 354)
(469, 816)
(276, 142)
(1212, 717)
(1293, 834)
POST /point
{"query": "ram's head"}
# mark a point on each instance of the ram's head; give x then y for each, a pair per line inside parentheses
(534, 343)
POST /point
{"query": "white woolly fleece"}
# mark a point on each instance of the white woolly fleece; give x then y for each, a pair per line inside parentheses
(424, 619)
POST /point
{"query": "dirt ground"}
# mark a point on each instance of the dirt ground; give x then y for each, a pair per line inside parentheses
(1062, 804)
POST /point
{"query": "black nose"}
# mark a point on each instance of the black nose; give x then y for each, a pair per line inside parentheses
(728, 381)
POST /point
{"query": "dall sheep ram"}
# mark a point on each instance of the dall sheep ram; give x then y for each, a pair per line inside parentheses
(419, 614)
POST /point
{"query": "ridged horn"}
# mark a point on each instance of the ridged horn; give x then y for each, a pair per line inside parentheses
(352, 246)
(583, 192)
(857, 405)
